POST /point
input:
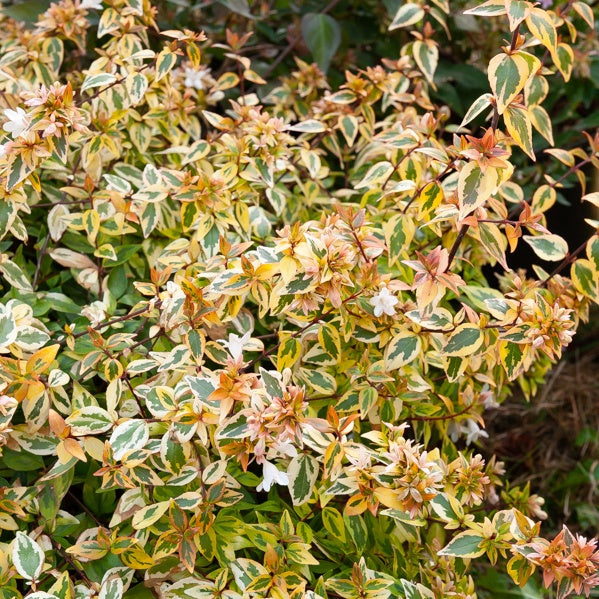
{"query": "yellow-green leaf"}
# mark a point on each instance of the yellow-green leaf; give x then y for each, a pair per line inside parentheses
(302, 473)
(586, 12)
(564, 60)
(490, 8)
(426, 55)
(517, 10)
(519, 127)
(399, 231)
(512, 358)
(408, 14)
(164, 63)
(465, 545)
(146, 516)
(428, 199)
(541, 25)
(329, 339)
(464, 341)
(508, 74)
(289, 353)
(376, 174)
(475, 187)
(402, 350)
(541, 122)
(27, 556)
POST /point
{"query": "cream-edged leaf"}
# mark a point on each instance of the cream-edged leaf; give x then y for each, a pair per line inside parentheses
(508, 74)
(548, 247)
(27, 556)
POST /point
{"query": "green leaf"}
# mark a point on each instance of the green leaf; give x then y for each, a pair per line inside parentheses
(322, 35)
(27, 11)
(241, 7)
(302, 472)
(27, 556)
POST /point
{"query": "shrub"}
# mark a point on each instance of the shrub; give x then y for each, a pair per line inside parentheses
(250, 329)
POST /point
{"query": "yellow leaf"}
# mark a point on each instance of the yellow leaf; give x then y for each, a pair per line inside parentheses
(541, 25)
(137, 558)
(289, 353)
(519, 127)
(41, 359)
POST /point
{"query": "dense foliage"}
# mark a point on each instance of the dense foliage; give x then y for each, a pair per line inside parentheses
(250, 327)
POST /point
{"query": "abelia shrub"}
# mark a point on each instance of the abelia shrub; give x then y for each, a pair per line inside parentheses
(250, 329)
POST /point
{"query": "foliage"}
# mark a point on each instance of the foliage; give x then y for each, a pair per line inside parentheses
(247, 338)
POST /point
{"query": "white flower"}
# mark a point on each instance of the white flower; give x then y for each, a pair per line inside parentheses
(17, 122)
(468, 427)
(383, 303)
(198, 79)
(95, 313)
(2, 151)
(285, 449)
(271, 474)
(235, 345)
(91, 4)
(473, 431)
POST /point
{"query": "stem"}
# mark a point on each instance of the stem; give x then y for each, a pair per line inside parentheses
(40, 258)
(515, 38)
(71, 563)
(456, 244)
